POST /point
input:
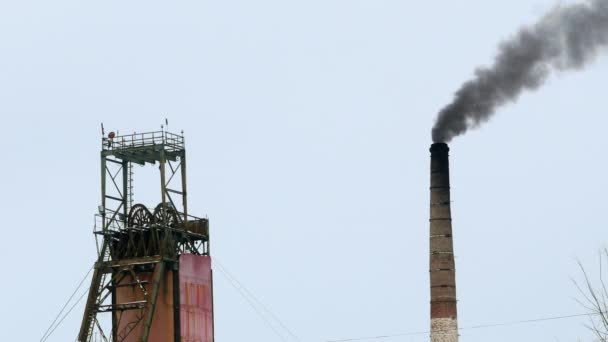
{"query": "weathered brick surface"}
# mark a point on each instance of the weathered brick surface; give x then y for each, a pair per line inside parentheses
(444, 309)
(438, 180)
(440, 196)
(442, 278)
(444, 330)
(442, 262)
(442, 244)
(443, 293)
(440, 212)
(441, 227)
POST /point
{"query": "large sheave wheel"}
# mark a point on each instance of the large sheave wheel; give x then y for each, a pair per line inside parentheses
(140, 217)
(167, 217)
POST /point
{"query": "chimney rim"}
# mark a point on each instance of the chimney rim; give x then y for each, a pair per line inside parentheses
(439, 147)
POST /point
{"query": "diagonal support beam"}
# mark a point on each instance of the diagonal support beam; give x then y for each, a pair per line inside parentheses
(152, 305)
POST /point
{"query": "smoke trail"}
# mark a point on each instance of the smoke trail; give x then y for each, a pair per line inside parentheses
(567, 38)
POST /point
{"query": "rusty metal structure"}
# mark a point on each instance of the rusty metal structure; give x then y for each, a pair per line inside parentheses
(152, 280)
(444, 317)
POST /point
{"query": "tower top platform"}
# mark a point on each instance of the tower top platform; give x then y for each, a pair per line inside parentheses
(142, 148)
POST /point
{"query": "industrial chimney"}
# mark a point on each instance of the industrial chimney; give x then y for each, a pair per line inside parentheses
(444, 322)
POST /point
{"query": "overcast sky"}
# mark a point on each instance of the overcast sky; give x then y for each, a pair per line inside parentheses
(307, 126)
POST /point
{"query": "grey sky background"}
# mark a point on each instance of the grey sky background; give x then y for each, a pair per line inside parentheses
(307, 127)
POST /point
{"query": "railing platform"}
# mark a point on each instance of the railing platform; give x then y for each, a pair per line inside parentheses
(141, 148)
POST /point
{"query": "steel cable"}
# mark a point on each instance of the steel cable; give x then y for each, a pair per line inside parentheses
(48, 330)
(370, 338)
(254, 302)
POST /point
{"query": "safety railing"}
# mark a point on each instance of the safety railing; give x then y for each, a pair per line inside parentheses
(171, 141)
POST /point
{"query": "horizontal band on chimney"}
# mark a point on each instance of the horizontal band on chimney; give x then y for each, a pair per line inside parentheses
(446, 301)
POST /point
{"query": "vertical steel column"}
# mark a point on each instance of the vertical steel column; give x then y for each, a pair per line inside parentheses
(88, 319)
(184, 193)
(103, 192)
(163, 185)
(125, 189)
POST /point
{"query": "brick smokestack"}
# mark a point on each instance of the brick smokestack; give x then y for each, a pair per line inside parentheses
(444, 322)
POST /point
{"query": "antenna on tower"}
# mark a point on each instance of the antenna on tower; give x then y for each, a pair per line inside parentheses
(103, 132)
(165, 125)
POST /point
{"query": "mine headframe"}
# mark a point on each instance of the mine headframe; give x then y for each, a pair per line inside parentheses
(136, 244)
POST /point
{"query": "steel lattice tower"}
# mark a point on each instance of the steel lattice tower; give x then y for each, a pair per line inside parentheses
(152, 278)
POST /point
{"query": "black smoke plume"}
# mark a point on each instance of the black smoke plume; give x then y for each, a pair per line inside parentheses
(567, 38)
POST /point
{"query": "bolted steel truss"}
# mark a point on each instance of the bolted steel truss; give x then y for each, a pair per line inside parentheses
(136, 245)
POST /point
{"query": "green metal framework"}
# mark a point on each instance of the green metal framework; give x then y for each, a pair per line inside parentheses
(132, 239)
